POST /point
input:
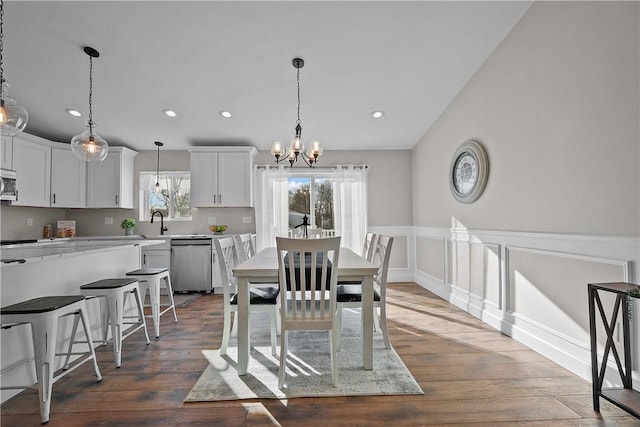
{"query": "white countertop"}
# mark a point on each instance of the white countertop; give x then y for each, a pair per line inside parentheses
(59, 248)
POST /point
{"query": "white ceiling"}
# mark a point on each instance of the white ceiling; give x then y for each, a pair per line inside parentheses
(409, 59)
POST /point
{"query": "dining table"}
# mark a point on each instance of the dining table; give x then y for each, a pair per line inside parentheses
(262, 268)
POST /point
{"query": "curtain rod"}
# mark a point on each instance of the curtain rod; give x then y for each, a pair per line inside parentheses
(302, 169)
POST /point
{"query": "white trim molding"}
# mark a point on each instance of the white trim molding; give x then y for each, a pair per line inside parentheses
(478, 268)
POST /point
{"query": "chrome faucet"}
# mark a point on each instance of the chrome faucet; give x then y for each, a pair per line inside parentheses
(162, 227)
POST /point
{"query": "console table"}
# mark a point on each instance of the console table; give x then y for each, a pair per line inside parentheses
(626, 397)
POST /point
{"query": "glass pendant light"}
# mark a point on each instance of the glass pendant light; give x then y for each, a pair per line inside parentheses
(157, 187)
(13, 116)
(89, 145)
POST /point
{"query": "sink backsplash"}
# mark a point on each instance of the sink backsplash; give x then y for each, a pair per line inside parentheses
(91, 222)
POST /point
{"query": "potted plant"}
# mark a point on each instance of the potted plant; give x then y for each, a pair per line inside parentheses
(129, 226)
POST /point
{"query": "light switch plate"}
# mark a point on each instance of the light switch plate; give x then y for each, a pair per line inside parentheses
(247, 220)
(29, 222)
(108, 220)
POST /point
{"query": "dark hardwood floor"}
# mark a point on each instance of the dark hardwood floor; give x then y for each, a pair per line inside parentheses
(470, 374)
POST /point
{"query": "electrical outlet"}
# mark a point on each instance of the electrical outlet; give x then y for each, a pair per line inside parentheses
(108, 220)
(247, 220)
(211, 220)
(29, 222)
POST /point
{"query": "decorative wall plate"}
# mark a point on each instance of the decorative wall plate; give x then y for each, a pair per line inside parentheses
(469, 171)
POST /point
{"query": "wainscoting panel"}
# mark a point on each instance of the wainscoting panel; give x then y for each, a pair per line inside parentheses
(531, 286)
(430, 255)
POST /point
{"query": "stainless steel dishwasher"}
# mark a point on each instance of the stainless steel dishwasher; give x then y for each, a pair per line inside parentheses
(191, 261)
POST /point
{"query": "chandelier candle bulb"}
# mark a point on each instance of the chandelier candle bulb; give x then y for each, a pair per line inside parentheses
(276, 149)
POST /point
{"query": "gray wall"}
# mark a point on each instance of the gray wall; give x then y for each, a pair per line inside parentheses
(556, 106)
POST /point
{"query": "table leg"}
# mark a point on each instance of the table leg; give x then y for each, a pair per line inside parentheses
(367, 322)
(243, 325)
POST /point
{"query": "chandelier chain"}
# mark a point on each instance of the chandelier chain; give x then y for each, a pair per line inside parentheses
(298, 79)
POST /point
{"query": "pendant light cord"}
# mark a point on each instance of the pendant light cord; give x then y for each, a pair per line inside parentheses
(90, 95)
(1, 42)
(158, 167)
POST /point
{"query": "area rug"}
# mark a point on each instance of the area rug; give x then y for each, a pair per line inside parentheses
(308, 367)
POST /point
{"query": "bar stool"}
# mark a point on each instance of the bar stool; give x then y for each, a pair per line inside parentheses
(115, 291)
(151, 278)
(43, 314)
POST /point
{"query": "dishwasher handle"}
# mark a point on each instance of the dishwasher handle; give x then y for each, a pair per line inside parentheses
(191, 242)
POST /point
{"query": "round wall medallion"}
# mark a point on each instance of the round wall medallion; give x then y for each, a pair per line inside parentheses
(469, 171)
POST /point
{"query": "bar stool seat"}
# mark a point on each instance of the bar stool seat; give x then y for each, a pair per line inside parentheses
(151, 279)
(115, 292)
(43, 314)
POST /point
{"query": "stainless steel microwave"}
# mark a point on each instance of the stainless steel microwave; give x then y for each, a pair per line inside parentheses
(8, 189)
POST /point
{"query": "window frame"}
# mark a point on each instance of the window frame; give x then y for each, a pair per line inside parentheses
(143, 206)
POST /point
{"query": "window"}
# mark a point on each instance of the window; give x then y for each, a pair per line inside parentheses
(305, 192)
(174, 201)
(333, 198)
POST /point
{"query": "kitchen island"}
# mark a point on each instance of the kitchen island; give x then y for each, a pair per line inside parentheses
(57, 267)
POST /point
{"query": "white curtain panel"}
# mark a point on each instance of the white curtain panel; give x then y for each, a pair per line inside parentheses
(350, 205)
(349, 198)
(271, 204)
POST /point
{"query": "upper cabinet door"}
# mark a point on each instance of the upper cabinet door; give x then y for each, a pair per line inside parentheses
(204, 179)
(110, 182)
(32, 163)
(68, 179)
(234, 184)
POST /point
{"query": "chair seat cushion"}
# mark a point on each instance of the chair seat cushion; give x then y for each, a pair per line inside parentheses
(260, 296)
(147, 271)
(41, 304)
(352, 293)
(109, 283)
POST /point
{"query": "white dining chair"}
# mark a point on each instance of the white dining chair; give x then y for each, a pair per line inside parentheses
(308, 273)
(244, 246)
(349, 295)
(260, 298)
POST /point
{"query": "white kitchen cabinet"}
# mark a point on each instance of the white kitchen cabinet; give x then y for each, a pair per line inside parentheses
(156, 258)
(110, 182)
(68, 178)
(6, 152)
(32, 163)
(221, 176)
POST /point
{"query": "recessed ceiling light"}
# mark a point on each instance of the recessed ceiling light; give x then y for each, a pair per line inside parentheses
(226, 114)
(74, 113)
(377, 114)
(169, 113)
